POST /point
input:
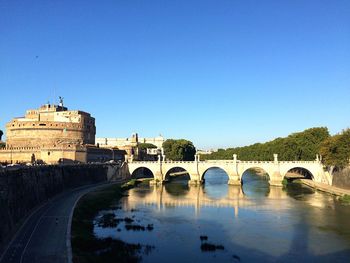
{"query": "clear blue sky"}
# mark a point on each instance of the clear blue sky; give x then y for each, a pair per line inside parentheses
(220, 73)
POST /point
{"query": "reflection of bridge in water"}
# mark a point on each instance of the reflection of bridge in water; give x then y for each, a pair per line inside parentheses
(235, 169)
(196, 196)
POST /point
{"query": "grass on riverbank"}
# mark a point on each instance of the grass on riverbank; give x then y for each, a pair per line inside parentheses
(86, 247)
(284, 182)
(345, 199)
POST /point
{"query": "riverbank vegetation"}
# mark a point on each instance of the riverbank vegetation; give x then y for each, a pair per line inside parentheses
(86, 247)
(335, 150)
(345, 199)
(297, 146)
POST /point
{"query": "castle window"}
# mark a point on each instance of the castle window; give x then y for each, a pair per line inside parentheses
(48, 153)
(42, 124)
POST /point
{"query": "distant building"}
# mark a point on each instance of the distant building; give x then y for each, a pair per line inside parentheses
(204, 151)
(134, 140)
(53, 134)
(131, 145)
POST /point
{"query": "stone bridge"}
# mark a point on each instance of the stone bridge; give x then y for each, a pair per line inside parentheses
(235, 169)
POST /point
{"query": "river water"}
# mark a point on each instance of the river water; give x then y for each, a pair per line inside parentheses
(252, 223)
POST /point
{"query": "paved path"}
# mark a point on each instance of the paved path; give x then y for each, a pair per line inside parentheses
(326, 188)
(42, 238)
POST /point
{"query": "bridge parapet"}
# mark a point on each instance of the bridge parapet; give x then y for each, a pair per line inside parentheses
(300, 162)
(217, 162)
(175, 162)
(143, 162)
(255, 162)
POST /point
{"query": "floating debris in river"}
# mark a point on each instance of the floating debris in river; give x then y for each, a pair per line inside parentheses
(128, 220)
(203, 238)
(147, 249)
(211, 247)
(135, 227)
(236, 257)
(107, 220)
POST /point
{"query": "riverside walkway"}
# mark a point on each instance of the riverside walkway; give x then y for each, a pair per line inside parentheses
(45, 235)
(326, 188)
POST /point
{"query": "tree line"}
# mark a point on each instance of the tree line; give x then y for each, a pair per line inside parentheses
(335, 150)
(297, 146)
(300, 146)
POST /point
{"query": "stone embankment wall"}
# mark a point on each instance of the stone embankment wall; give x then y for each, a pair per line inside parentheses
(341, 178)
(23, 189)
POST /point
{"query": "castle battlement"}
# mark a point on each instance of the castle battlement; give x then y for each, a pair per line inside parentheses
(51, 125)
(50, 133)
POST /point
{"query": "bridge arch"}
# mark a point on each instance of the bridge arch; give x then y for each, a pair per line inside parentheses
(257, 170)
(142, 172)
(176, 169)
(306, 173)
(255, 182)
(202, 176)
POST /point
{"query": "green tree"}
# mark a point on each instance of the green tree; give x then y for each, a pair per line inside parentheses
(179, 150)
(335, 150)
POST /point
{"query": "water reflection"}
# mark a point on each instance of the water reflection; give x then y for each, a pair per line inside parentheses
(215, 185)
(252, 222)
(255, 184)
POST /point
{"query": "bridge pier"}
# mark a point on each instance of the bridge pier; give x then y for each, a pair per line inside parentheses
(232, 173)
(276, 177)
(158, 178)
(155, 182)
(195, 182)
(195, 179)
(234, 182)
(276, 182)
